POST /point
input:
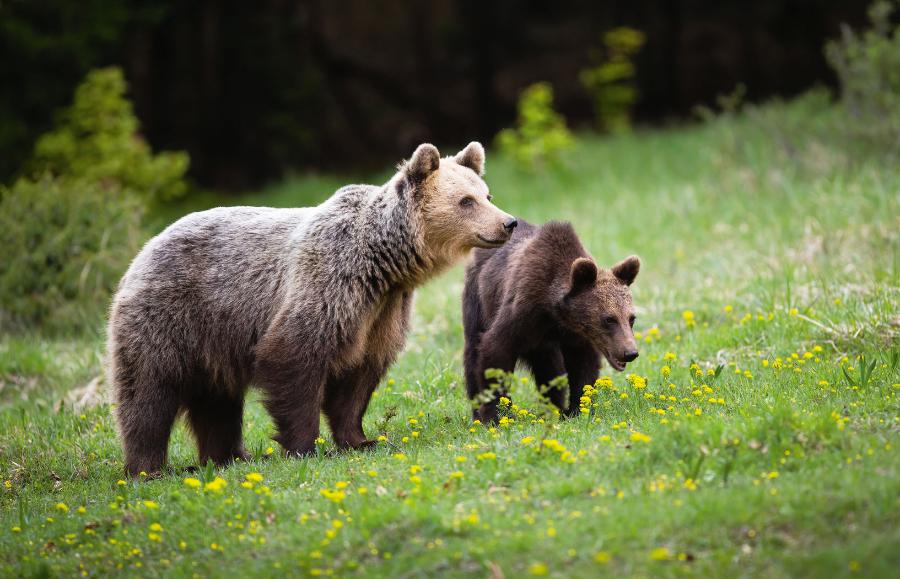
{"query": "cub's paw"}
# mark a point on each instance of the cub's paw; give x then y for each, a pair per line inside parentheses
(486, 413)
(366, 445)
(358, 444)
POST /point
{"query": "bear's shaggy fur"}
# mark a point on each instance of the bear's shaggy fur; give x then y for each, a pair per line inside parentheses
(311, 305)
(541, 299)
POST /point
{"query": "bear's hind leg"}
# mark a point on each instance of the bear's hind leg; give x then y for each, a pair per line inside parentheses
(216, 419)
(145, 426)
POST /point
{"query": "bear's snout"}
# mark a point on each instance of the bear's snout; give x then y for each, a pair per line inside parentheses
(630, 355)
(510, 224)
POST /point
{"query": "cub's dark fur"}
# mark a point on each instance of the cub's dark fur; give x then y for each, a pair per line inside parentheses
(541, 299)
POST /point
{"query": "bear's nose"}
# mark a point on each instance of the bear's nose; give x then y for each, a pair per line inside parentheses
(511, 224)
(631, 355)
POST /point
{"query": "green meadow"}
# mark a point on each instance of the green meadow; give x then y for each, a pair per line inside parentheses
(756, 435)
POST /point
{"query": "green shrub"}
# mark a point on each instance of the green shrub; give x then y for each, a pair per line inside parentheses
(540, 136)
(868, 69)
(97, 139)
(73, 222)
(71, 240)
(611, 82)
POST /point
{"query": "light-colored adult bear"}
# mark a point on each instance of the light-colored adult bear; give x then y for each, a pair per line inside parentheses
(311, 305)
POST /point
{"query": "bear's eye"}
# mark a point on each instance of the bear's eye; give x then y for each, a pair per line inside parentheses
(631, 321)
(466, 202)
(609, 321)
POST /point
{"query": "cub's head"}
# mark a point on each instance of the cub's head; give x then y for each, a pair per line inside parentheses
(454, 201)
(597, 305)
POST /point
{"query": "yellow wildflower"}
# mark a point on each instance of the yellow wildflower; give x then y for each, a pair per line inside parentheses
(216, 485)
(538, 569)
(639, 437)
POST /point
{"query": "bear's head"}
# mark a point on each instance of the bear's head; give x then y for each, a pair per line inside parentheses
(454, 202)
(597, 306)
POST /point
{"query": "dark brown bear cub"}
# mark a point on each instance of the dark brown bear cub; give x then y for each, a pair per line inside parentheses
(542, 300)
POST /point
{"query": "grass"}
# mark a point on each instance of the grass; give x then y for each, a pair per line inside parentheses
(770, 279)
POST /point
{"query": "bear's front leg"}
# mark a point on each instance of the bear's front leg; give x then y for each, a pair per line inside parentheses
(294, 386)
(347, 397)
(295, 405)
(582, 367)
(546, 365)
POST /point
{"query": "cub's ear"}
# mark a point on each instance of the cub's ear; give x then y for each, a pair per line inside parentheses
(423, 163)
(583, 275)
(472, 157)
(627, 269)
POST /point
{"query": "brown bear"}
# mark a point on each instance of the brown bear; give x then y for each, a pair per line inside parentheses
(541, 299)
(311, 305)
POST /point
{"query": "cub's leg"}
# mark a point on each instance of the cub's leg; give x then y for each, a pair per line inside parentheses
(216, 418)
(583, 367)
(497, 352)
(546, 365)
(347, 397)
(473, 328)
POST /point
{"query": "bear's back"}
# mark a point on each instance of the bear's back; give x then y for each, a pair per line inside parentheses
(218, 246)
(528, 268)
(208, 285)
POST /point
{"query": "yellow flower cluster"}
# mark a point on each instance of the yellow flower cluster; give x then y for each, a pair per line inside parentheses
(639, 437)
(216, 485)
(336, 496)
(558, 447)
(653, 335)
(638, 382)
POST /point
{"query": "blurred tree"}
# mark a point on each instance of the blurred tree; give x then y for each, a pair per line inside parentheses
(74, 222)
(540, 136)
(46, 48)
(611, 82)
(96, 139)
(868, 67)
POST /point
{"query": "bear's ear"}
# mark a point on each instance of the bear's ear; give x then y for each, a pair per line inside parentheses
(472, 157)
(583, 275)
(627, 269)
(423, 163)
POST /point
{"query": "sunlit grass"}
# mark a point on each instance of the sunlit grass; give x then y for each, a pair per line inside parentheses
(746, 439)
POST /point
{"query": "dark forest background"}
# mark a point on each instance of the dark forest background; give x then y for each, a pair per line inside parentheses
(255, 89)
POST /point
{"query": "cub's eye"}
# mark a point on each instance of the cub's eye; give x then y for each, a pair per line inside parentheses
(631, 321)
(609, 321)
(466, 202)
